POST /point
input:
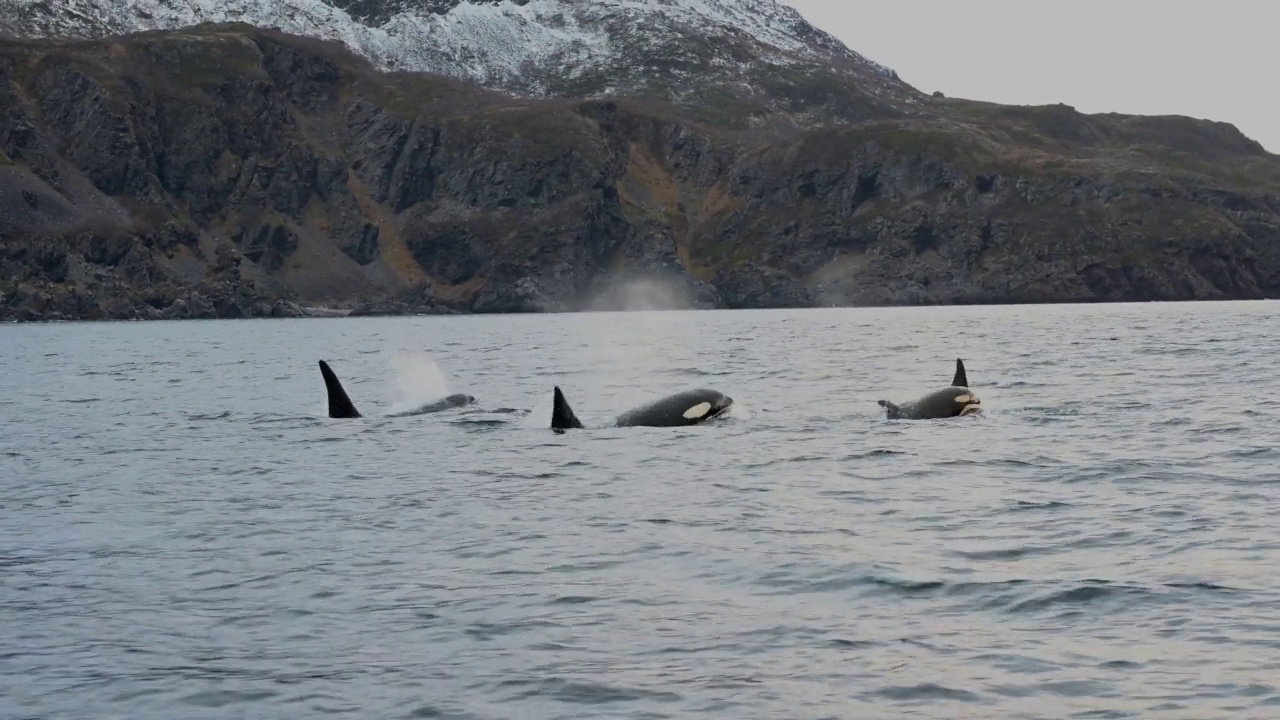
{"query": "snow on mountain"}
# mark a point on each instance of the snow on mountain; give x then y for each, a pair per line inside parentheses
(534, 47)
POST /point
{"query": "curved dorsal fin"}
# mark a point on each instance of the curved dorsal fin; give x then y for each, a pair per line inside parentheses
(961, 379)
(340, 405)
(562, 417)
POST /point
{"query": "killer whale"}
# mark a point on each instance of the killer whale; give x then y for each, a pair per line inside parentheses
(340, 405)
(449, 402)
(954, 401)
(562, 417)
(690, 407)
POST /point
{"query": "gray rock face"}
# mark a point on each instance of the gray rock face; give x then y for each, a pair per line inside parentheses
(225, 171)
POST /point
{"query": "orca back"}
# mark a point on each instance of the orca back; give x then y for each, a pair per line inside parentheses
(691, 407)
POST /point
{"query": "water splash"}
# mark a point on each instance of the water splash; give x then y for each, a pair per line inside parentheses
(654, 293)
(739, 410)
(416, 380)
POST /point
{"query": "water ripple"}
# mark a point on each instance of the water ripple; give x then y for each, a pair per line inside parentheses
(186, 534)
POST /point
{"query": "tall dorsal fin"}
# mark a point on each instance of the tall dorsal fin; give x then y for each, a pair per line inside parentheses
(961, 379)
(340, 405)
(562, 417)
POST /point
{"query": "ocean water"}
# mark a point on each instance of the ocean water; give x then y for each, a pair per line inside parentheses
(185, 534)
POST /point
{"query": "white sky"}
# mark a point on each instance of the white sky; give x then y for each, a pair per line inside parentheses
(1218, 61)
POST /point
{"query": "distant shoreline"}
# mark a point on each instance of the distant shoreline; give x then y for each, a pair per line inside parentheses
(323, 313)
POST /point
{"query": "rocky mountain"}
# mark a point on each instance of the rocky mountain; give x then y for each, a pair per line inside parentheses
(226, 170)
(690, 51)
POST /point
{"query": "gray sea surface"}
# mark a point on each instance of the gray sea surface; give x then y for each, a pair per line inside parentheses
(185, 534)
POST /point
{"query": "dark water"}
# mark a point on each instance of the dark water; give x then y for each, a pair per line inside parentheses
(183, 534)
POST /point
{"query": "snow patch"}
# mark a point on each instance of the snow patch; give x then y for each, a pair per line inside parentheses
(502, 45)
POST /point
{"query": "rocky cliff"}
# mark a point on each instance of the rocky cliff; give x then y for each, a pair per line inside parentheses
(224, 171)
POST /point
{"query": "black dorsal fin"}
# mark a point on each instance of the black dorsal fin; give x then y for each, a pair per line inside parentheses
(562, 417)
(339, 404)
(961, 379)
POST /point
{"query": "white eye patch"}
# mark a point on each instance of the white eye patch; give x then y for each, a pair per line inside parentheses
(967, 398)
(697, 411)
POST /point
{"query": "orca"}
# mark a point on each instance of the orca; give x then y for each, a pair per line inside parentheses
(340, 406)
(562, 417)
(955, 401)
(691, 407)
(456, 400)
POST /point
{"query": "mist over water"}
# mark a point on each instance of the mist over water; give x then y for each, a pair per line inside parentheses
(416, 380)
(649, 292)
(185, 534)
(630, 351)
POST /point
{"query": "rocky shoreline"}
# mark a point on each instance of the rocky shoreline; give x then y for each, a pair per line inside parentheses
(46, 307)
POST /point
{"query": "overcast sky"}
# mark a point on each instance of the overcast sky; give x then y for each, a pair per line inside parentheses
(1219, 61)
